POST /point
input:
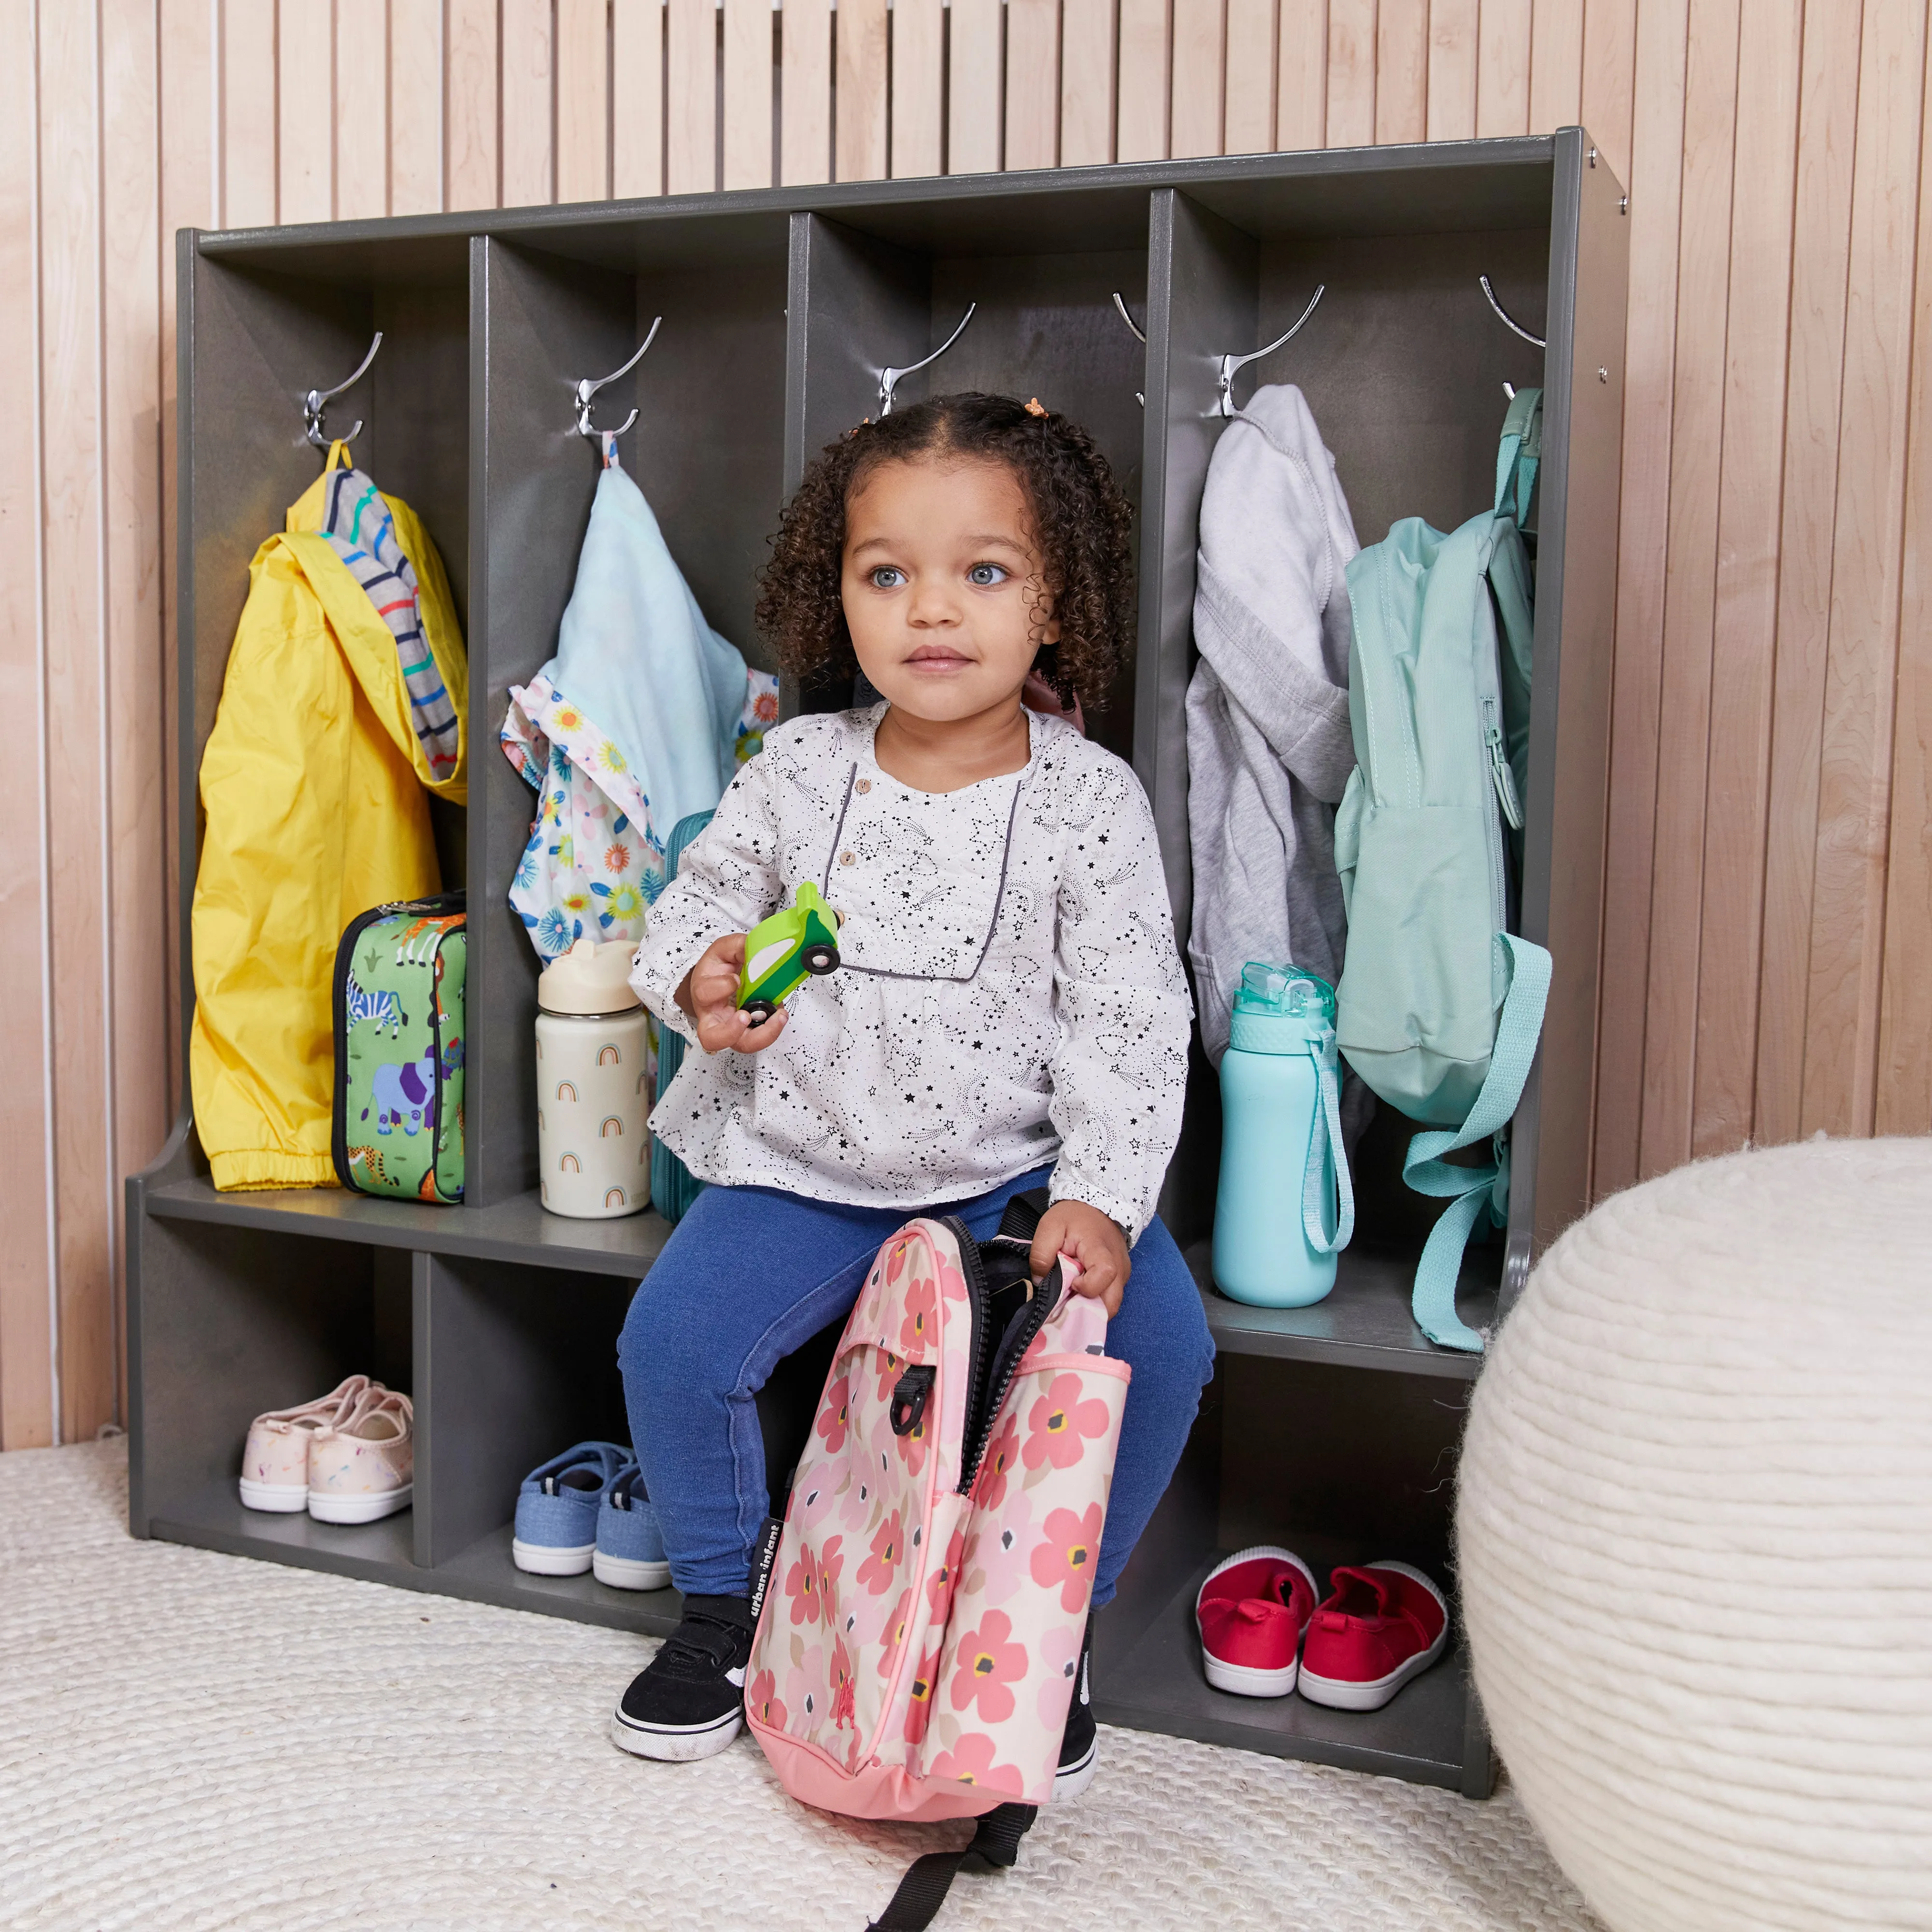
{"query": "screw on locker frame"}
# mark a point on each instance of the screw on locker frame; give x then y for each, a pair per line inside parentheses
(1603, 375)
(1623, 206)
(1593, 158)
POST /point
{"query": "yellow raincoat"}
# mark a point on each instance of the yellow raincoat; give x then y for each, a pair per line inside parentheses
(314, 787)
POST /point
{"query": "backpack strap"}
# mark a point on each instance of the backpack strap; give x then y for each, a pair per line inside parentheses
(1519, 453)
(1328, 1136)
(1519, 1026)
(995, 1846)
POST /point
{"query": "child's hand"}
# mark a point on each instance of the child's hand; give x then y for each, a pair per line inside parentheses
(1094, 1241)
(709, 994)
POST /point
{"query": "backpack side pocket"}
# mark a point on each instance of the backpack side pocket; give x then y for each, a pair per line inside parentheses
(1005, 1675)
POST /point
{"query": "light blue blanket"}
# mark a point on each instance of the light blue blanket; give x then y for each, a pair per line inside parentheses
(635, 654)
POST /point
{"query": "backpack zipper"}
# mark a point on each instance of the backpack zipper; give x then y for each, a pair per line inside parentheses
(983, 1404)
(1020, 1337)
(1499, 767)
(976, 1300)
(1492, 829)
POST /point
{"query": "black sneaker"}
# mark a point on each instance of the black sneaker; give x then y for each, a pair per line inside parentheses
(688, 1701)
(1080, 1742)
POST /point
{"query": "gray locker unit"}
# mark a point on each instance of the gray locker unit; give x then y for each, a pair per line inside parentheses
(1333, 1428)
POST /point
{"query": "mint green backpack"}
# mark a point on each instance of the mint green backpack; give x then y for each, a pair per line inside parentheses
(1440, 1005)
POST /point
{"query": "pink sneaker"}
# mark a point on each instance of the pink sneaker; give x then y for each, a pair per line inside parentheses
(1382, 1625)
(363, 1466)
(1251, 1613)
(274, 1465)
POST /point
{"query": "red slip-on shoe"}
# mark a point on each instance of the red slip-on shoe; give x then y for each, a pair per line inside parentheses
(1251, 1613)
(1382, 1625)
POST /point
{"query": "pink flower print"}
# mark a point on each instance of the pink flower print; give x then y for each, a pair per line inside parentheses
(765, 707)
(761, 1700)
(896, 1627)
(895, 1261)
(1065, 1560)
(831, 1561)
(802, 1588)
(876, 1572)
(843, 1712)
(861, 1503)
(951, 1282)
(988, 1664)
(1060, 1658)
(887, 1370)
(616, 856)
(994, 1563)
(989, 1486)
(836, 1415)
(803, 1685)
(939, 1585)
(1058, 1422)
(922, 1311)
(919, 1706)
(970, 1761)
(911, 1446)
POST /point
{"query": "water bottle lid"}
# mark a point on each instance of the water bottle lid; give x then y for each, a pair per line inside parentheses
(1292, 992)
(590, 978)
(1281, 1009)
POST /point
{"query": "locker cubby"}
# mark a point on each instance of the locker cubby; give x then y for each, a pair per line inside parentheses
(884, 293)
(239, 1320)
(1333, 1428)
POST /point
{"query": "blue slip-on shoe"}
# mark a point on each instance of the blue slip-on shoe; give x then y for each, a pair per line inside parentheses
(557, 1509)
(630, 1552)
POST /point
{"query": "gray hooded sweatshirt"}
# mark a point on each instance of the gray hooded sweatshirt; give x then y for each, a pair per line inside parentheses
(1269, 748)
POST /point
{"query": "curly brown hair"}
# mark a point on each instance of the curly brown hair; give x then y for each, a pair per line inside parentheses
(1081, 523)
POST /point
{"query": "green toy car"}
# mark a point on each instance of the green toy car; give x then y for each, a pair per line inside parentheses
(780, 951)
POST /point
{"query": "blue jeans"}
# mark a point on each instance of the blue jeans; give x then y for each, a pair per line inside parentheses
(752, 1274)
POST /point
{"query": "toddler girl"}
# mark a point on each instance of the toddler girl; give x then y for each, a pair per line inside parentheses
(1009, 1012)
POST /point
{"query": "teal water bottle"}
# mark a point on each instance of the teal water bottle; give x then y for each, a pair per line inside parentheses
(1285, 1209)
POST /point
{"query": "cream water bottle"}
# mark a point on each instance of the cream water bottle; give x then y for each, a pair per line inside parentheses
(593, 1084)
(1285, 1208)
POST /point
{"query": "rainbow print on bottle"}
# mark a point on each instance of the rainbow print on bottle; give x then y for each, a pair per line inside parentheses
(593, 1049)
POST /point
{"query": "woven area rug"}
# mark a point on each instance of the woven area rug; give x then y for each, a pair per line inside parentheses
(190, 1740)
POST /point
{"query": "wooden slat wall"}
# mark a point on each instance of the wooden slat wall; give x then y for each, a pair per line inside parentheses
(1769, 894)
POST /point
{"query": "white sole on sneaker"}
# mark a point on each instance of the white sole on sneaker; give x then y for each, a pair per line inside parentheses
(1341, 1694)
(1071, 1779)
(551, 1559)
(370, 1508)
(675, 1745)
(284, 1498)
(1244, 1680)
(629, 1572)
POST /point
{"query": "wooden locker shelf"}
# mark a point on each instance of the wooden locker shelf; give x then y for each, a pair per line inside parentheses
(1332, 1427)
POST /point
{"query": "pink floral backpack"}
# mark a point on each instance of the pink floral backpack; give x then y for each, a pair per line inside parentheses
(920, 1622)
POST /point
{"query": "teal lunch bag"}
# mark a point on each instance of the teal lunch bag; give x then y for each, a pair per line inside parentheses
(1440, 1005)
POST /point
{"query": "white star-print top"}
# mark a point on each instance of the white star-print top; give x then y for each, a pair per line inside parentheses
(1008, 992)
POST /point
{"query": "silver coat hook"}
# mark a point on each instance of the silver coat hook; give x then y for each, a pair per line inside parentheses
(1503, 316)
(587, 389)
(890, 378)
(314, 402)
(1225, 406)
(1139, 396)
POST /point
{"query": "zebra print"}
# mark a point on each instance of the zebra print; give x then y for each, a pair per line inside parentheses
(378, 1007)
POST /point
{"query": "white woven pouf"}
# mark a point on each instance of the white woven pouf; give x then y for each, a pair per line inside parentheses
(1694, 1532)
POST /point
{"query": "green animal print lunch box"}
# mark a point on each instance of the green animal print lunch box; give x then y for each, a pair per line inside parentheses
(399, 1028)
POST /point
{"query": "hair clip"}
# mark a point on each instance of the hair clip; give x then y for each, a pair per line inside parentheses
(1036, 408)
